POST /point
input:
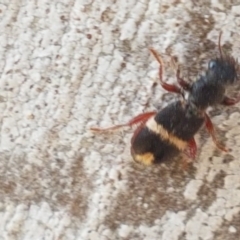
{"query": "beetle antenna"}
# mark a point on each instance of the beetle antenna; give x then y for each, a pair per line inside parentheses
(219, 44)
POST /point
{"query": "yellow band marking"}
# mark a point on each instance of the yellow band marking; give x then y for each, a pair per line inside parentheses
(146, 158)
(160, 130)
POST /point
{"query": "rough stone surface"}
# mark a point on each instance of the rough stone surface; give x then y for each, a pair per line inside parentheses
(68, 65)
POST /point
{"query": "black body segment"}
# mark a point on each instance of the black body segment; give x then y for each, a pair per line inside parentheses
(209, 89)
(166, 134)
(148, 148)
(180, 119)
(204, 93)
(223, 70)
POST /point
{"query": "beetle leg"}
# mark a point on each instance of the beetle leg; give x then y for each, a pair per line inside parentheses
(230, 101)
(166, 86)
(191, 149)
(143, 117)
(210, 128)
(185, 85)
(191, 152)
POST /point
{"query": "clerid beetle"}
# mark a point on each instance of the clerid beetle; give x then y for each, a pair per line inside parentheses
(165, 133)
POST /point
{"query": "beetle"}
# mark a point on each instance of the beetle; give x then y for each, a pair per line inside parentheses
(162, 134)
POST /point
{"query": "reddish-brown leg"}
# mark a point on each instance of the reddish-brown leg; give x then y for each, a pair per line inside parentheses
(166, 86)
(191, 149)
(185, 85)
(210, 128)
(190, 152)
(143, 117)
(230, 101)
(136, 132)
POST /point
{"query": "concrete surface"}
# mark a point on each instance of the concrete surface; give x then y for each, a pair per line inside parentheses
(68, 65)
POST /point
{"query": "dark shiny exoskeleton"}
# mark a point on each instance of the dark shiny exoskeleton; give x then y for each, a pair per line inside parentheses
(181, 122)
(163, 134)
(210, 88)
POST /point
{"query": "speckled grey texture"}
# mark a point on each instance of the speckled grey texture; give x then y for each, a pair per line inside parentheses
(69, 65)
